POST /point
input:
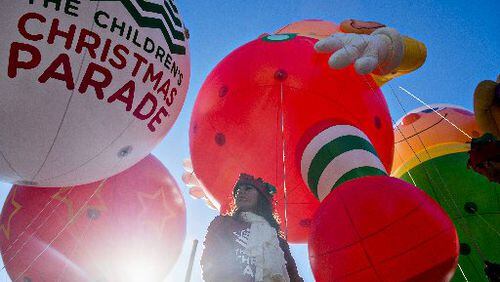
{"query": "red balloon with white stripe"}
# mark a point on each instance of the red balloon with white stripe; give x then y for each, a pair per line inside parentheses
(369, 226)
(254, 109)
(337, 154)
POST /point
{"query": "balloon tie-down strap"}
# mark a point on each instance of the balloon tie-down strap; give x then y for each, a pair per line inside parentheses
(281, 75)
(338, 154)
(434, 110)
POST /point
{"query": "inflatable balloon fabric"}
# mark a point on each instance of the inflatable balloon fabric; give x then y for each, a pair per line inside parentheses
(88, 88)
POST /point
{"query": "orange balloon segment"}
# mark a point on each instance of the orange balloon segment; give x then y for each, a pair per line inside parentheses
(318, 29)
(426, 133)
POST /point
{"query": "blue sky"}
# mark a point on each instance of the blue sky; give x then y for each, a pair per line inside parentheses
(463, 49)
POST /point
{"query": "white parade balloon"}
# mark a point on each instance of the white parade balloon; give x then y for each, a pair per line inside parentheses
(87, 87)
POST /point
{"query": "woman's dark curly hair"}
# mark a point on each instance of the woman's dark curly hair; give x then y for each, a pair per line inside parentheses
(264, 208)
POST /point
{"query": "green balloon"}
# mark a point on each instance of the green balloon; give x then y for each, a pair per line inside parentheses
(472, 202)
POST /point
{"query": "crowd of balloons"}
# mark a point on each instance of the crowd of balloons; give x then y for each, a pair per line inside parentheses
(87, 95)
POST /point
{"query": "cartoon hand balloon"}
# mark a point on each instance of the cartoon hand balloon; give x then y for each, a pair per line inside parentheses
(87, 88)
(196, 189)
(382, 50)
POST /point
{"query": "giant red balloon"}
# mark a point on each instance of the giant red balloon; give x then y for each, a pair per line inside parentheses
(236, 121)
(380, 228)
(131, 229)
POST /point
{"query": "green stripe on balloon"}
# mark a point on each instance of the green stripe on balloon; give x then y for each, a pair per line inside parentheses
(332, 150)
(357, 173)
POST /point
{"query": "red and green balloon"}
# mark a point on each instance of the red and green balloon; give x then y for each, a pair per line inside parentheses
(255, 108)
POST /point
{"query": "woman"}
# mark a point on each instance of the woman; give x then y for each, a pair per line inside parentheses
(247, 245)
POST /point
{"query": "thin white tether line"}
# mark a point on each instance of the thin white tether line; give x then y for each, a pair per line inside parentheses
(34, 219)
(70, 221)
(409, 173)
(415, 184)
(448, 197)
(413, 180)
(461, 271)
(35, 231)
(443, 117)
(492, 227)
(283, 142)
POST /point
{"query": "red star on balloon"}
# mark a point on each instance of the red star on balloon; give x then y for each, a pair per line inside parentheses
(155, 205)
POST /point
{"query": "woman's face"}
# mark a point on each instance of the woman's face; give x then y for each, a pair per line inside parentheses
(246, 198)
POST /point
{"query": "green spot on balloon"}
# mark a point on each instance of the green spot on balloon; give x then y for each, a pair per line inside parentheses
(279, 37)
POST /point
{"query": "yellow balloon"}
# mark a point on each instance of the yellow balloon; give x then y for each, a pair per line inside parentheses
(486, 108)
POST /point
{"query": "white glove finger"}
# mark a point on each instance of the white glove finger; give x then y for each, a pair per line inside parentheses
(344, 57)
(365, 65)
(197, 193)
(329, 44)
(368, 60)
(390, 49)
(187, 165)
(190, 179)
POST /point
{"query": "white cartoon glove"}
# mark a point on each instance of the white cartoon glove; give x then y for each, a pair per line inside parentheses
(196, 188)
(381, 50)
